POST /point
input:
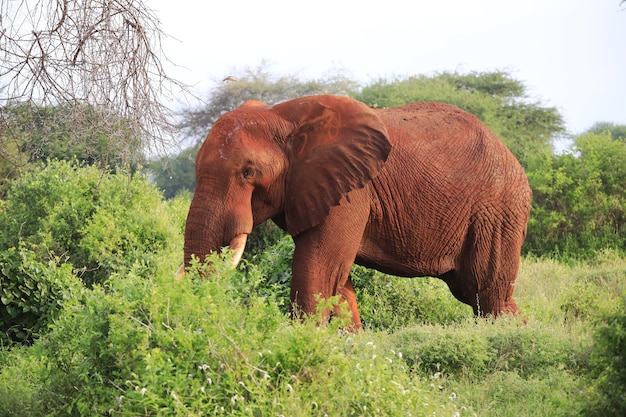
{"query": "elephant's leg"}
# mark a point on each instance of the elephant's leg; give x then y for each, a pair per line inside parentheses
(324, 256)
(348, 295)
(486, 276)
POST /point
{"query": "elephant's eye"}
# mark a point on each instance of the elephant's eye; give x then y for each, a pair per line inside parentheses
(248, 173)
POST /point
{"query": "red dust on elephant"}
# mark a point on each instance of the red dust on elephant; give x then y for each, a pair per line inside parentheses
(419, 190)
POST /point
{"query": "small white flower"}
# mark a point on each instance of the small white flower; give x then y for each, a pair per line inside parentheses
(143, 391)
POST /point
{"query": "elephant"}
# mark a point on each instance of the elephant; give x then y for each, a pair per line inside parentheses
(424, 189)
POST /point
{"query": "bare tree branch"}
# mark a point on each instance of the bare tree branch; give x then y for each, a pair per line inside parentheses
(106, 54)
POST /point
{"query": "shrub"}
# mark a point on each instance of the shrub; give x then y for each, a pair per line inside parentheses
(31, 294)
(273, 266)
(474, 349)
(609, 361)
(389, 303)
(209, 346)
(429, 350)
(20, 383)
(579, 200)
(507, 394)
(99, 222)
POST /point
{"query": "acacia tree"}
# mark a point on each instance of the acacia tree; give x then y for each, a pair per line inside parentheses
(100, 55)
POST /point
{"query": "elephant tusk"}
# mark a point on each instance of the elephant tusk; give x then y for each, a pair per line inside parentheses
(180, 272)
(238, 244)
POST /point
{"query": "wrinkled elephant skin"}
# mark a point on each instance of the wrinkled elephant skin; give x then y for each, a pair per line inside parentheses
(419, 190)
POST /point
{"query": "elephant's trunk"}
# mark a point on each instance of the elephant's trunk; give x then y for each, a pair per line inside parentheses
(200, 240)
(237, 245)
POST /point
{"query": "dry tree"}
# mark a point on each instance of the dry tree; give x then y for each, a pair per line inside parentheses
(89, 57)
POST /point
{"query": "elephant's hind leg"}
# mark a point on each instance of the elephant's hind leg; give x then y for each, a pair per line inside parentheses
(488, 268)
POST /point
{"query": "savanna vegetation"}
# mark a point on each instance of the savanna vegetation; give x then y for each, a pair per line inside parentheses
(92, 321)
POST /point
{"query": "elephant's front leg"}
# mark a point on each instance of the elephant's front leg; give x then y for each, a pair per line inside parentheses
(324, 256)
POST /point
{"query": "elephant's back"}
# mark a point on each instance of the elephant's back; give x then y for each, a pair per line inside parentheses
(450, 144)
(443, 157)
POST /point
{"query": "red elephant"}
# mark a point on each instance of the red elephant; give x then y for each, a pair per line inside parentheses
(420, 190)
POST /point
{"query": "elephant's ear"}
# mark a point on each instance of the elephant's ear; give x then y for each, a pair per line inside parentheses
(338, 145)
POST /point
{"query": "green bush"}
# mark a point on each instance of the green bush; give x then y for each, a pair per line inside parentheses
(507, 394)
(99, 222)
(20, 382)
(474, 349)
(579, 200)
(389, 303)
(31, 294)
(429, 350)
(208, 346)
(609, 361)
(503, 368)
(63, 221)
(273, 264)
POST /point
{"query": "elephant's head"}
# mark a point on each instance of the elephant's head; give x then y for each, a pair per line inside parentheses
(292, 162)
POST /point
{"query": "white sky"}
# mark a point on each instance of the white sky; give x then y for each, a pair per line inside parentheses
(570, 54)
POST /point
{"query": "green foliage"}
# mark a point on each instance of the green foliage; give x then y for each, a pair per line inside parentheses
(65, 220)
(219, 342)
(497, 99)
(34, 134)
(609, 361)
(98, 222)
(272, 261)
(557, 394)
(177, 173)
(20, 383)
(389, 303)
(31, 294)
(579, 204)
(208, 346)
(617, 132)
(476, 349)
